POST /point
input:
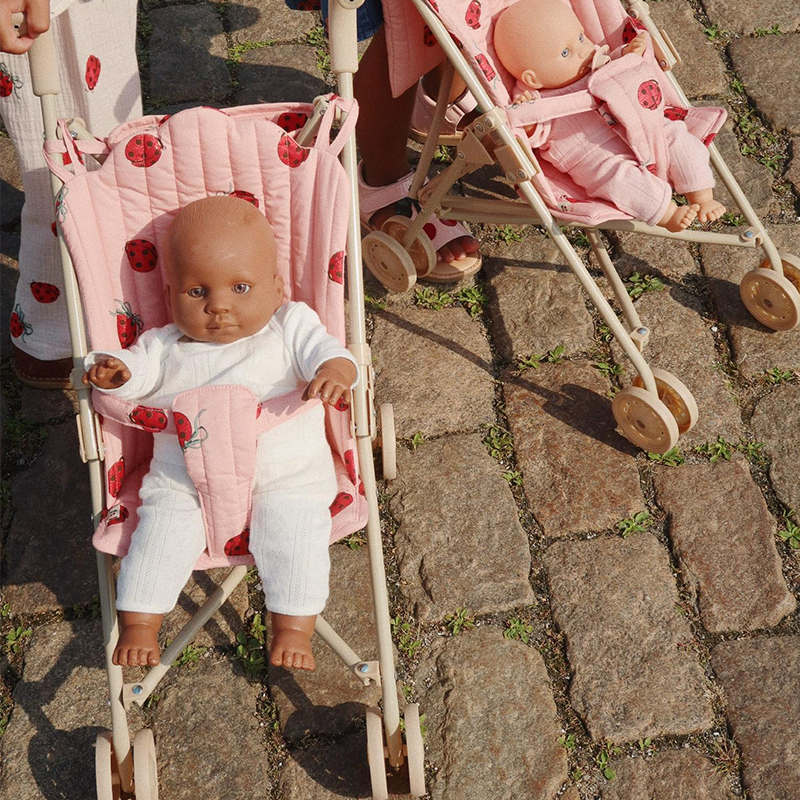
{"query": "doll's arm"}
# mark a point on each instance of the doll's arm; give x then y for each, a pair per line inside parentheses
(637, 45)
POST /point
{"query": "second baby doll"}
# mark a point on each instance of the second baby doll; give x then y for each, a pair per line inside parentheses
(543, 45)
(231, 327)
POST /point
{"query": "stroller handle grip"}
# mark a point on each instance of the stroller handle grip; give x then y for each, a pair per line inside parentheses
(42, 57)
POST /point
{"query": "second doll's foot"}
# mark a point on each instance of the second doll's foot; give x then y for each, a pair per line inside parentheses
(138, 640)
(710, 211)
(679, 218)
(290, 642)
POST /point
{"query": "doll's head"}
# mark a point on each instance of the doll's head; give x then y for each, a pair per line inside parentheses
(542, 44)
(220, 261)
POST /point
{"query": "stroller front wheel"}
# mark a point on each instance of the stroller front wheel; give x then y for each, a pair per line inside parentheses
(645, 420)
(105, 768)
(774, 300)
(375, 754)
(389, 262)
(676, 397)
(145, 772)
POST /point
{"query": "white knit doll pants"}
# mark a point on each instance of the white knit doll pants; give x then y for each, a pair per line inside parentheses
(290, 530)
(96, 44)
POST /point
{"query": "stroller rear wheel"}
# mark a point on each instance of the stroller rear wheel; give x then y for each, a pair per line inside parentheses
(105, 768)
(645, 420)
(389, 262)
(375, 754)
(145, 772)
(676, 397)
(415, 751)
(774, 300)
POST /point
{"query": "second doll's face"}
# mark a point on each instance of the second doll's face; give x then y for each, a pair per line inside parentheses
(563, 58)
(222, 286)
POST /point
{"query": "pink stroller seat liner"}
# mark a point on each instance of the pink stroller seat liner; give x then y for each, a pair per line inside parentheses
(113, 220)
(471, 24)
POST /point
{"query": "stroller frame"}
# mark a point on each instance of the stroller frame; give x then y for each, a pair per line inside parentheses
(489, 139)
(130, 767)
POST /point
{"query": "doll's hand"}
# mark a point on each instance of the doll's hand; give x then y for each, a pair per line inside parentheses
(333, 379)
(637, 45)
(37, 17)
(524, 97)
(108, 374)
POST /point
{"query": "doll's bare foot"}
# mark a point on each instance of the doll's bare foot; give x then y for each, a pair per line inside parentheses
(138, 639)
(709, 209)
(290, 644)
(678, 218)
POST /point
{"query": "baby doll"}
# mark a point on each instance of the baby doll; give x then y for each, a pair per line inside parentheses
(231, 326)
(543, 45)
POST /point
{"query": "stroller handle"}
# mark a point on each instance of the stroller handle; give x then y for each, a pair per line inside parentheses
(42, 57)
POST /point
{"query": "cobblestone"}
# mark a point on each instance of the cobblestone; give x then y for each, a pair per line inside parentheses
(744, 16)
(268, 20)
(615, 600)
(763, 708)
(459, 541)
(724, 537)
(281, 71)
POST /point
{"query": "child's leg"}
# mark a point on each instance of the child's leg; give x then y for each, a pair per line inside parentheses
(690, 172)
(290, 530)
(90, 36)
(167, 542)
(382, 130)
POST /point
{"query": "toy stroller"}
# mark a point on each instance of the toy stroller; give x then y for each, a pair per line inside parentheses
(657, 407)
(111, 222)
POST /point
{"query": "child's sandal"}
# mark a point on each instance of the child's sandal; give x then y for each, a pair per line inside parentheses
(436, 233)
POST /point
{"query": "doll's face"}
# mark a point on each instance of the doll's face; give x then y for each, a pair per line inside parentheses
(221, 280)
(543, 44)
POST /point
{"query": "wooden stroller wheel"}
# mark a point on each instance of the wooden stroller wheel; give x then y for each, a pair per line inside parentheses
(421, 251)
(771, 298)
(375, 756)
(388, 441)
(415, 751)
(389, 262)
(105, 768)
(645, 420)
(145, 771)
(676, 397)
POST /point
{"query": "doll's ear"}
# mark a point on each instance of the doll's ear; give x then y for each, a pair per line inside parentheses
(279, 286)
(530, 80)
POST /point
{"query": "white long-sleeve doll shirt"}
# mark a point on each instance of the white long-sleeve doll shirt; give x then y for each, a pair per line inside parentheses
(283, 356)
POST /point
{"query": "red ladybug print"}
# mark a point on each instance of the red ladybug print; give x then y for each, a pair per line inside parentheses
(649, 95)
(485, 66)
(149, 418)
(116, 474)
(336, 267)
(429, 229)
(163, 119)
(189, 435)
(291, 120)
(143, 150)
(675, 112)
(473, 15)
(350, 465)
(342, 404)
(427, 37)
(239, 545)
(92, 71)
(116, 515)
(243, 195)
(45, 292)
(291, 153)
(8, 82)
(361, 489)
(129, 324)
(433, 5)
(631, 30)
(19, 328)
(708, 139)
(652, 168)
(343, 499)
(142, 255)
(53, 228)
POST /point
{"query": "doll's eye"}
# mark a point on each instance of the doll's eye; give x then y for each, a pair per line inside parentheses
(241, 288)
(196, 292)
(565, 52)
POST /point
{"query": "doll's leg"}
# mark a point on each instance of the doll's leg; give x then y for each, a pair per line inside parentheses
(290, 530)
(690, 172)
(612, 174)
(167, 542)
(99, 83)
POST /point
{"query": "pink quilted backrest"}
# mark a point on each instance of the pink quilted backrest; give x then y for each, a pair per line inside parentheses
(114, 218)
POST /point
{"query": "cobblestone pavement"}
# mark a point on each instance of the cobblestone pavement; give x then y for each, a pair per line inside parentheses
(576, 619)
